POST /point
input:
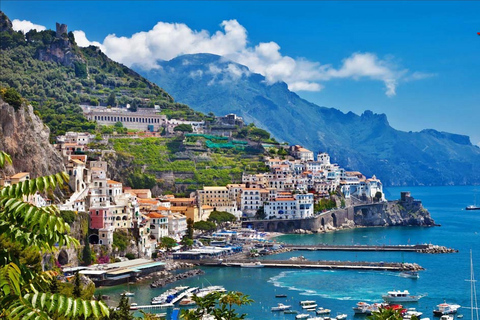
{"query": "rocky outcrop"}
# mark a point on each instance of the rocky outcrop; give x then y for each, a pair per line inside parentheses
(24, 136)
(404, 212)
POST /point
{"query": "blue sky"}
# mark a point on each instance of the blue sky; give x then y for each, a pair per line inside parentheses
(417, 62)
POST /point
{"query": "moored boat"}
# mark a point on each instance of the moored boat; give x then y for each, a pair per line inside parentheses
(411, 312)
(445, 308)
(302, 316)
(280, 296)
(281, 307)
(290, 311)
(400, 296)
(341, 316)
(128, 294)
(446, 317)
(323, 311)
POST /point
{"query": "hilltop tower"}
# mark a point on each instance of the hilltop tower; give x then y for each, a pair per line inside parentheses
(61, 30)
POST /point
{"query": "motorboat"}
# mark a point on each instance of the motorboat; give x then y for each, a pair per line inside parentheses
(302, 316)
(309, 306)
(446, 317)
(323, 311)
(341, 316)
(257, 264)
(445, 308)
(400, 296)
(280, 296)
(409, 274)
(281, 307)
(362, 308)
(290, 311)
(412, 312)
(128, 294)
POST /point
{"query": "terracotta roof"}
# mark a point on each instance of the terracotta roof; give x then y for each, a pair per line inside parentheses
(151, 201)
(140, 190)
(113, 182)
(19, 175)
(207, 207)
(82, 157)
(181, 199)
(78, 161)
(284, 199)
(155, 215)
(182, 208)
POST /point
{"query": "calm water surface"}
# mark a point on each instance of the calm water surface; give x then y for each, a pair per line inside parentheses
(443, 279)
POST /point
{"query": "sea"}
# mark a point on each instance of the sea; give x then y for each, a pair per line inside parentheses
(444, 278)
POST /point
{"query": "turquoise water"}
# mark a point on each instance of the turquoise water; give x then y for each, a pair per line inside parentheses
(443, 279)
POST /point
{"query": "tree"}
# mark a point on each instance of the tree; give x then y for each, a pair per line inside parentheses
(183, 128)
(186, 242)
(77, 286)
(12, 97)
(118, 125)
(205, 226)
(220, 217)
(219, 305)
(123, 310)
(24, 293)
(377, 197)
(260, 213)
(386, 314)
(87, 253)
(190, 228)
(112, 101)
(168, 243)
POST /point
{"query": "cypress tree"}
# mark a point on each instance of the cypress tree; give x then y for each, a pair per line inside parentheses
(87, 253)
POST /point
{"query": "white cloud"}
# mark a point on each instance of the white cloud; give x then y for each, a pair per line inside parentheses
(25, 26)
(82, 41)
(166, 41)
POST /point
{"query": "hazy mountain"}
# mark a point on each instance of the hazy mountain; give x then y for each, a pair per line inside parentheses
(209, 83)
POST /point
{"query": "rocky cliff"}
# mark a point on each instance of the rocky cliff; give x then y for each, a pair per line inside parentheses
(24, 136)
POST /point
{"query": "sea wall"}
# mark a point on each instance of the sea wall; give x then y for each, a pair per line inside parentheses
(404, 212)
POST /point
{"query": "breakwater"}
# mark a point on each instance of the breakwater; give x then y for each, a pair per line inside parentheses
(170, 278)
(421, 248)
(345, 265)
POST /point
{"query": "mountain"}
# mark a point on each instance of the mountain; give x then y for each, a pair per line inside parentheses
(210, 83)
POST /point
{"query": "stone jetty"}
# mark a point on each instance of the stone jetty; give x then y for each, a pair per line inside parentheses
(170, 278)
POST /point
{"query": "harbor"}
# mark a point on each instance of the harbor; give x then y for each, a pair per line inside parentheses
(421, 248)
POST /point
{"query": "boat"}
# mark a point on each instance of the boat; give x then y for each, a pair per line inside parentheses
(302, 316)
(168, 296)
(290, 312)
(445, 308)
(308, 303)
(409, 274)
(400, 296)
(257, 264)
(128, 294)
(309, 306)
(280, 296)
(412, 312)
(474, 205)
(323, 311)
(362, 308)
(459, 316)
(341, 316)
(446, 317)
(281, 307)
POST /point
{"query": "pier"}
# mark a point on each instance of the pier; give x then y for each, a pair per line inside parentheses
(422, 248)
(330, 265)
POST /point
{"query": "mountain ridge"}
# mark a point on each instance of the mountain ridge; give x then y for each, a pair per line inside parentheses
(366, 142)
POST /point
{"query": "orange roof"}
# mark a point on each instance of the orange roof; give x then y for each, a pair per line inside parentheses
(140, 190)
(207, 207)
(182, 199)
(163, 208)
(113, 182)
(284, 199)
(155, 215)
(151, 201)
(182, 208)
(78, 161)
(19, 175)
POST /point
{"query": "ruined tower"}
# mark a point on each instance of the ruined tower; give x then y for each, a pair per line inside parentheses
(61, 30)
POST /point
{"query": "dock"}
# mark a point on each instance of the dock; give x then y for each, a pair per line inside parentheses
(330, 265)
(421, 248)
(152, 306)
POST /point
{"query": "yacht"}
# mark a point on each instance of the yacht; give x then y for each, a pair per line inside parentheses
(445, 308)
(323, 311)
(472, 207)
(302, 316)
(400, 296)
(446, 317)
(281, 307)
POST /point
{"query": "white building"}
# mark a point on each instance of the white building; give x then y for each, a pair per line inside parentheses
(299, 206)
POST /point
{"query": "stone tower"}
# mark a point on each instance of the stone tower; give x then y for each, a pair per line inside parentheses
(61, 29)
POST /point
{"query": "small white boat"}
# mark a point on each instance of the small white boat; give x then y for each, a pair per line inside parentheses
(257, 264)
(409, 274)
(309, 306)
(323, 311)
(305, 302)
(400, 296)
(302, 316)
(341, 316)
(128, 294)
(410, 313)
(281, 307)
(446, 317)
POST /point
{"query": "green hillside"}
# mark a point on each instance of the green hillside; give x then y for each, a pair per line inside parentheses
(56, 77)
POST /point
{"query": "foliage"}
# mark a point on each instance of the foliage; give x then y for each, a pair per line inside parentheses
(120, 239)
(186, 242)
(260, 214)
(77, 286)
(377, 197)
(86, 253)
(189, 228)
(68, 216)
(220, 217)
(12, 97)
(325, 204)
(183, 128)
(167, 243)
(205, 226)
(122, 312)
(219, 305)
(130, 256)
(23, 291)
(386, 314)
